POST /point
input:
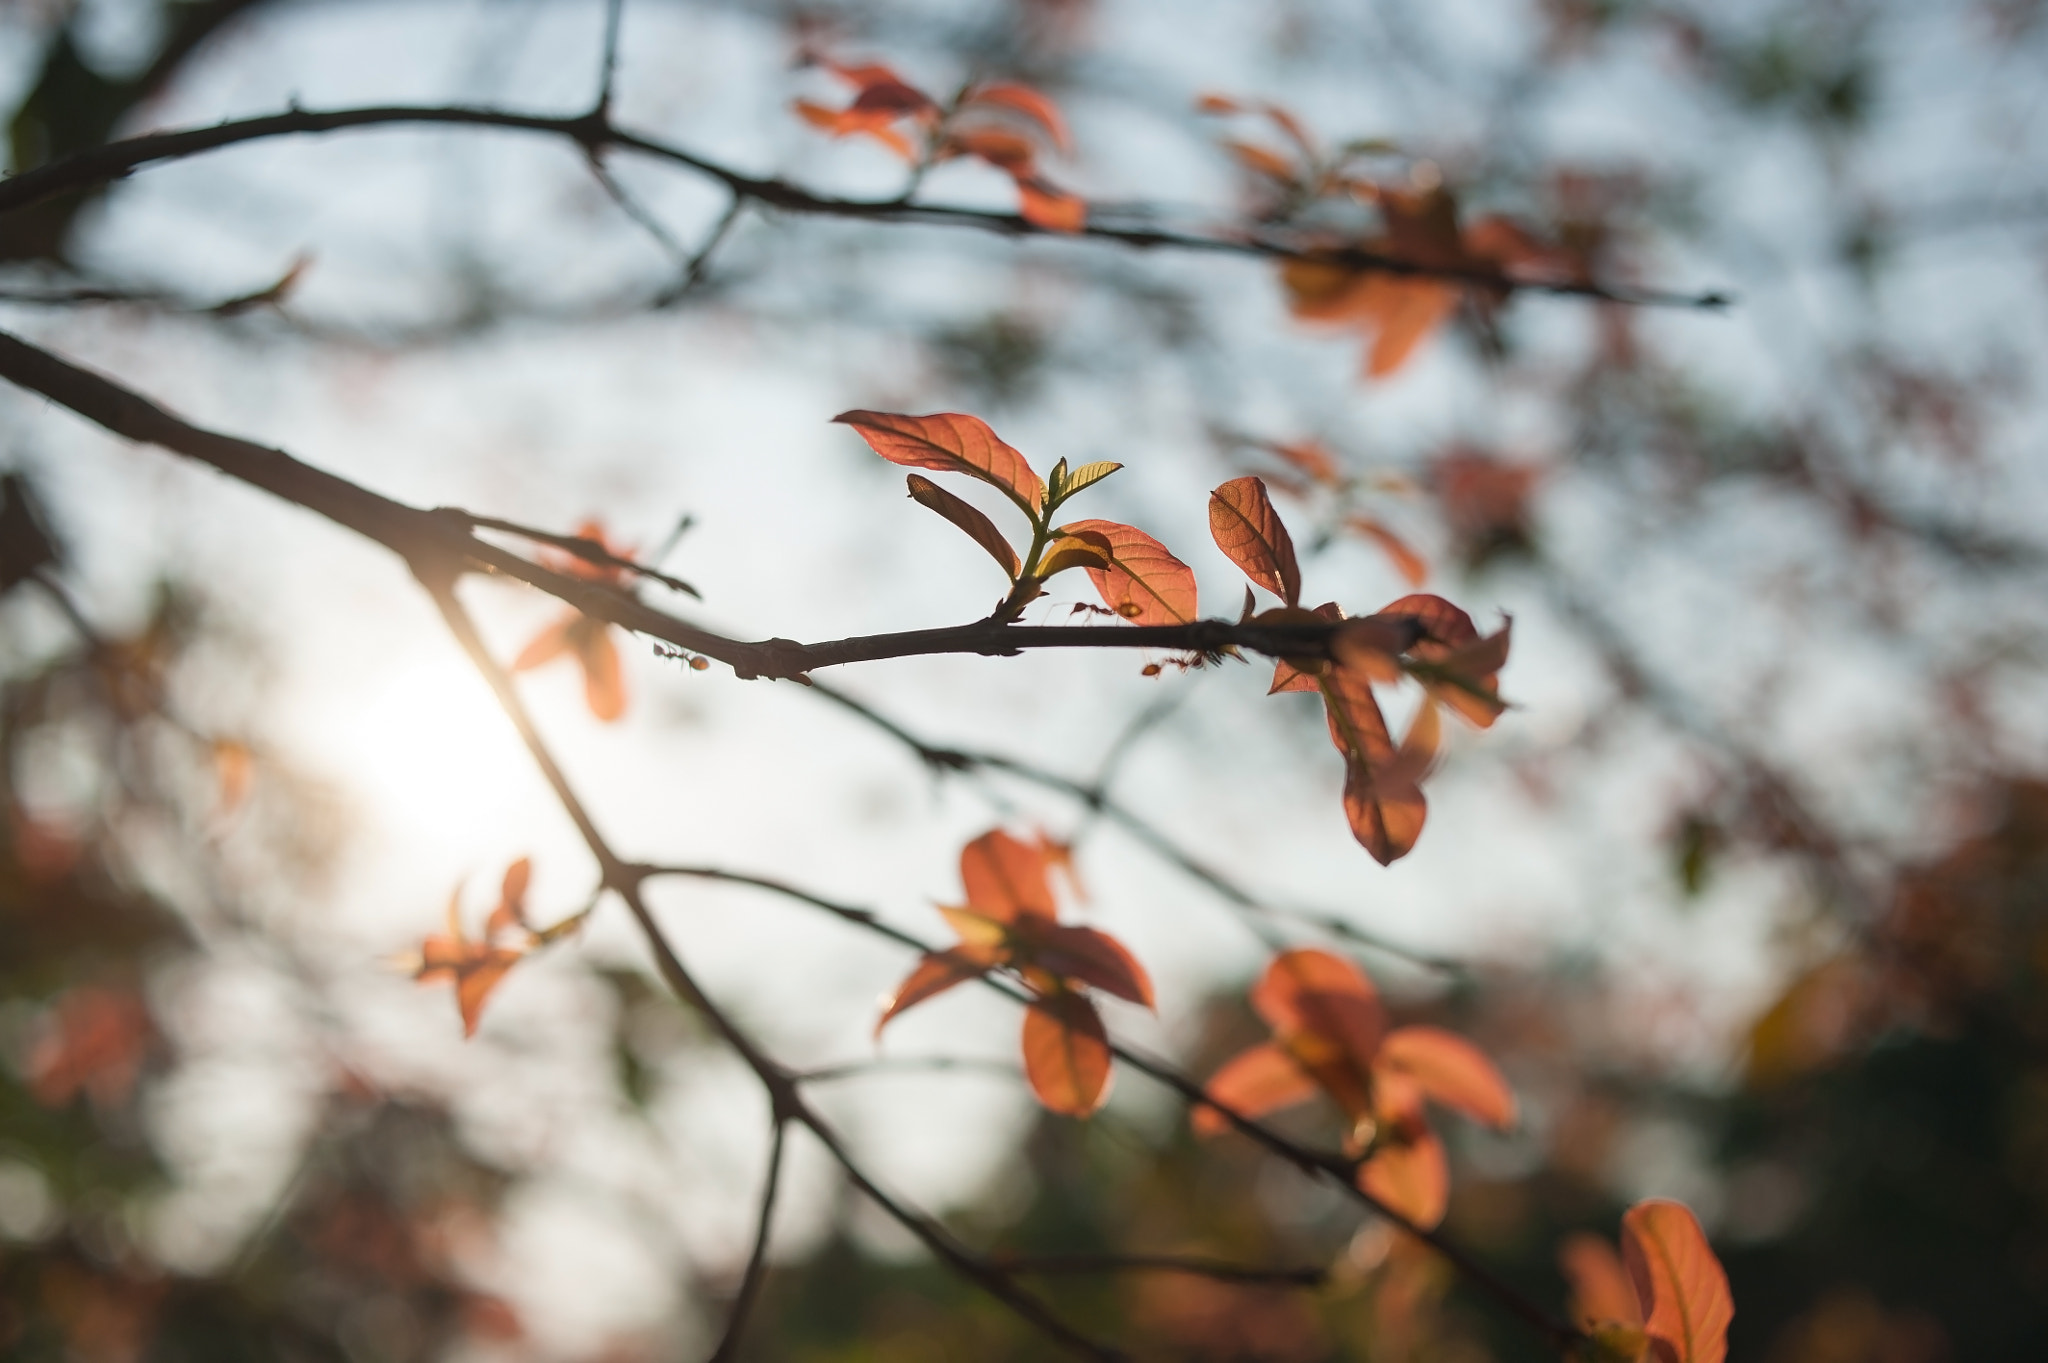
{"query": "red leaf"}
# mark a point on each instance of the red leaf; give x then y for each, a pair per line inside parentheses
(1006, 879)
(1144, 583)
(934, 974)
(1439, 621)
(1093, 958)
(1451, 1071)
(1024, 100)
(951, 442)
(604, 683)
(979, 528)
(1386, 816)
(1679, 1281)
(1247, 528)
(1410, 1175)
(1011, 152)
(1601, 1291)
(1257, 1081)
(1066, 1054)
(1311, 457)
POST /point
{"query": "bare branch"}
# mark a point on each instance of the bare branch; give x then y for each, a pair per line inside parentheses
(1217, 1270)
(757, 1260)
(594, 132)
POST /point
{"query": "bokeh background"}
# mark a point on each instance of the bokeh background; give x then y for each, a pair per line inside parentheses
(1747, 894)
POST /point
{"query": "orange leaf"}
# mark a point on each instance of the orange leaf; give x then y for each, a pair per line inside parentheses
(1007, 151)
(1679, 1281)
(1451, 1071)
(546, 646)
(1088, 550)
(1410, 1175)
(1261, 161)
(1144, 583)
(1288, 676)
(511, 909)
(1028, 102)
(604, 683)
(951, 442)
(1251, 1084)
(937, 972)
(1386, 816)
(1247, 528)
(979, 528)
(1006, 879)
(1601, 1291)
(1217, 104)
(1310, 457)
(1409, 564)
(1313, 993)
(1402, 312)
(1066, 1054)
(1093, 958)
(475, 981)
(1045, 205)
(1439, 621)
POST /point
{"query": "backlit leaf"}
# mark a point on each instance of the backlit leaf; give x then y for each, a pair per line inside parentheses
(1066, 1054)
(1411, 1176)
(1311, 457)
(979, 528)
(545, 646)
(1451, 1071)
(1008, 151)
(474, 983)
(1386, 816)
(1093, 958)
(1601, 1290)
(1315, 993)
(604, 682)
(1043, 204)
(1087, 476)
(1144, 583)
(1006, 879)
(1679, 1281)
(1257, 1081)
(1024, 100)
(934, 974)
(951, 442)
(1409, 564)
(1247, 528)
(1261, 161)
(1304, 676)
(511, 909)
(1086, 550)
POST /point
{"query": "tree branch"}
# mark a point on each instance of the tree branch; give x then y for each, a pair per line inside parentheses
(1217, 1270)
(595, 131)
(757, 1260)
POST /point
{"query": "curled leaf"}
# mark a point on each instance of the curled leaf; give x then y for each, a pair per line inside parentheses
(1086, 550)
(1022, 99)
(951, 442)
(1679, 1281)
(1310, 993)
(1247, 528)
(1043, 204)
(1601, 1291)
(979, 528)
(1066, 1054)
(1144, 583)
(1409, 564)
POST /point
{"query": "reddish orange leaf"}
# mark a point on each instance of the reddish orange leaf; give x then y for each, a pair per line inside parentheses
(1386, 817)
(1217, 104)
(1407, 562)
(1465, 666)
(1144, 583)
(1091, 957)
(1066, 1054)
(1261, 161)
(951, 442)
(1024, 100)
(1311, 457)
(1410, 1175)
(1306, 992)
(1679, 1281)
(934, 974)
(1382, 799)
(1247, 528)
(475, 981)
(1045, 205)
(1306, 675)
(1257, 1081)
(1450, 1070)
(1006, 879)
(979, 528)
(94, 1041)
(1087, 550)
(1002, 148)
(546, 646)
(604, 682)
(511, 910)
(1601, 1291)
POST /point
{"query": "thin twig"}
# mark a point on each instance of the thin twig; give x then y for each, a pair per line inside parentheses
(614, 16)
(1217, 1270)
(695, 268)
(757, 1260)
(854, 1069)
(595, 130)
(589, 550)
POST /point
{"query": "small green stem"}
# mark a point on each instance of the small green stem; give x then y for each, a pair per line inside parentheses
(1025, 589)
